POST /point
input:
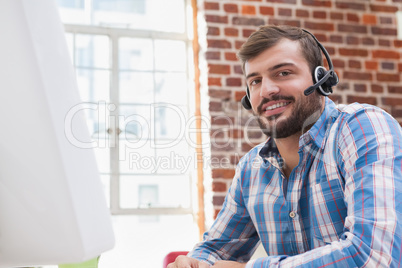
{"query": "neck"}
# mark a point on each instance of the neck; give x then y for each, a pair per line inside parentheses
(288, 148)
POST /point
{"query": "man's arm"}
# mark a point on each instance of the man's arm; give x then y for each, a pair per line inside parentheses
(232, 236)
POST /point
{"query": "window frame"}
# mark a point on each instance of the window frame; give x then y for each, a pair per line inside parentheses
(114, 35)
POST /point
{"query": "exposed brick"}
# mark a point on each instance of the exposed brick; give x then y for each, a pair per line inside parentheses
(371, 65)
(352, 40)
(216, 133)
(233, 82)
(355, 64)
(362, 99)
(215, 106)
(230, 56)
(219, 187)
(219, 94)
(247, 32)
(223, 173)
(357, 76)
(360, 88)
(218, 43)
(231, 32)
(336, 39)
(301, 13)
(398, 43)
(386, 54)
(213, 31)
(285, 12)
(295, 23)
(396, 112)
(231, 8)
(336, 16)
(387, 65)
(211, 6)
(322, 26)
(351, 5)
(264, 10)
(247, 21)
(391, 101)
(395, 89)
(216, 212)
(293, 2)
(386, 20)
(217, 201)
(253, 134)
(217, 19)
(383, 31)
(369, 19)
(219, 69)
(384, 43)
(222, 146)
(385, 77)
(212, 55)
(222, 120)
(237, 69)
(319, 14)
(317, 3)
(377, 88)
(235, 134)
(352, 17)
(400, 67)
(353, 52)
(248, 10)
(245, 146)
(338, 63)
(383, 8)
(239, 95)
(368, 41)
(214, 81)
(352, 28)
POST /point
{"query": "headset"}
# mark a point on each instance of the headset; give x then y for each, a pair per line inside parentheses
(323, 80)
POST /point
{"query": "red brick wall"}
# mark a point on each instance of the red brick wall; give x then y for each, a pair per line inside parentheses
(360, 36)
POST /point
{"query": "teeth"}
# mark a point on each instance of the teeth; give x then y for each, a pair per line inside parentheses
(277, 105)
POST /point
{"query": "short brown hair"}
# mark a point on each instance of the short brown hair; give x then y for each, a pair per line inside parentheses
(268, 36)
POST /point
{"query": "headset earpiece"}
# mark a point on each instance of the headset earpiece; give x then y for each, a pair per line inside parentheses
(329, 78)
(245, 101)
(319, 73)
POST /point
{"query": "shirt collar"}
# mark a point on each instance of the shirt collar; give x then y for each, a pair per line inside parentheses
(317, 132)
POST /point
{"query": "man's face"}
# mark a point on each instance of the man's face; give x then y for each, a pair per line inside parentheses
(277, 79)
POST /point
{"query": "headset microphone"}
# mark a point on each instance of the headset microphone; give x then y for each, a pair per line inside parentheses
(323, 80)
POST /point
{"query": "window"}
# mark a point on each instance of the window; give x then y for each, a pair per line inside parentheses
(133, 77)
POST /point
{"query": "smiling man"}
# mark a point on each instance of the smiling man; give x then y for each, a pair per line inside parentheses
(324, 190)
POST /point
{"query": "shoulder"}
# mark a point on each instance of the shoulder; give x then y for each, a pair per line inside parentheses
(365, 115)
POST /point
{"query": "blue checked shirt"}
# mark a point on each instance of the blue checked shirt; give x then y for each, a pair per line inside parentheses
(340, 207)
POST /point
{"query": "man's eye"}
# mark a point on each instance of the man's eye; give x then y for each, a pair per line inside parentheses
(255, 82)
(284, 73)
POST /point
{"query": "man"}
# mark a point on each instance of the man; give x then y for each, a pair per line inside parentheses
(325, 189)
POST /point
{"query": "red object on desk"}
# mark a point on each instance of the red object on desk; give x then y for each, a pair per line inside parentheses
(171, 257)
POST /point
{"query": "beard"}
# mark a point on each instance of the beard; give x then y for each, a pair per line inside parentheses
(305, 113)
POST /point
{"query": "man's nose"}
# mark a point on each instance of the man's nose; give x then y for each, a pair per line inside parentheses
(268, 88)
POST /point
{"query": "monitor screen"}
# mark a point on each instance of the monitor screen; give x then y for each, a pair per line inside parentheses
(52, 206)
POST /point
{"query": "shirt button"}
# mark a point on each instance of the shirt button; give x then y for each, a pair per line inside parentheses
(292, 214)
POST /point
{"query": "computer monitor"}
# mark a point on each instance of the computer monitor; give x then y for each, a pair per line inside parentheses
(52, 206)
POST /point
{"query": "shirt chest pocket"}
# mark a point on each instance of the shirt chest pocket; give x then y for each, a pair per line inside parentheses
(328, 210)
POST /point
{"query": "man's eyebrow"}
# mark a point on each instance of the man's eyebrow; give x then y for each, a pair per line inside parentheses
(273, 68)
(280, 65)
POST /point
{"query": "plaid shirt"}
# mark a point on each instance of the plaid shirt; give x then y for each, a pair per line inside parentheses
(342, 205)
